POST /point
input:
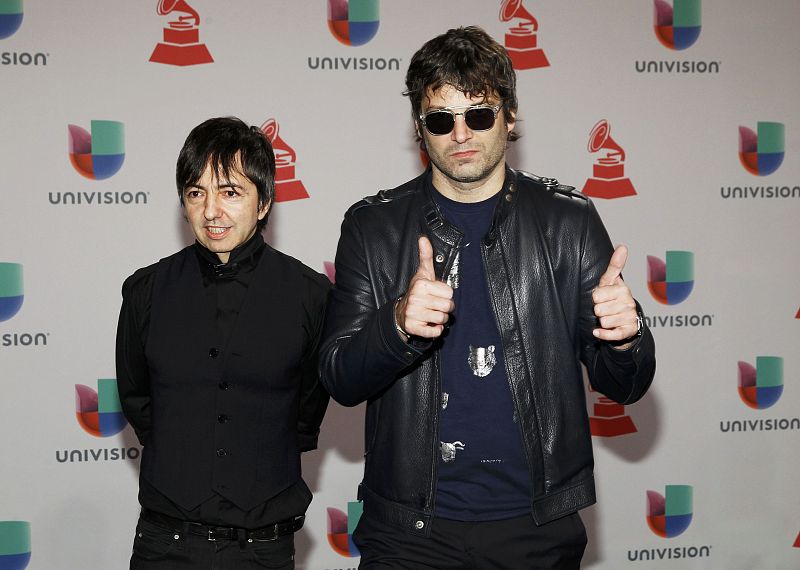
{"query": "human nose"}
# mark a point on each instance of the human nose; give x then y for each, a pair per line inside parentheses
(211, 209)
(461, 132)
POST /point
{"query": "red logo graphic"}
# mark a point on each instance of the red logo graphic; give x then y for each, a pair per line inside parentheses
(797, 541)
(181, 45)
(608, 418)
(520, 40)
(423, 155)
(609, 170)
(797, 316)
(330, 270)
(287, 187)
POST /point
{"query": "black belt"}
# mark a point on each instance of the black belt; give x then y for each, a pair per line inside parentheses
(270, 532)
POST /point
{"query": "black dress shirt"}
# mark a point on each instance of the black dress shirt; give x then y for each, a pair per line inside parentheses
(225, 287)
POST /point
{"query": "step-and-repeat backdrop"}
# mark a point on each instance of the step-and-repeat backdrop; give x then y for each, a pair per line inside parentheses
(680, 118)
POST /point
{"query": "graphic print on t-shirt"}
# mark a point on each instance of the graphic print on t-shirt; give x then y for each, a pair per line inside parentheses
(449, 450)
(481, 360)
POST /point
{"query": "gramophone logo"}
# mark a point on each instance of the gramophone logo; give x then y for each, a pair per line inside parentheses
(353, 22)
(15, 545)
(10, 17)
(761, 386)
(97, 155)
(671, 283)
(797, 541)
(608, 418)
(669, 515)
(520, 40)
(761, 152)
(287, 187)
(181, 45)
(11, 290)
(341, 527)
(609, 180)
(99, 413)
(679, 27)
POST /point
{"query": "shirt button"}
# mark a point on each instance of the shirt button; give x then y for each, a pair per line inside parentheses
(419, 525)
(221, 453)
(213, 352)
(222, 418)
(224, 385)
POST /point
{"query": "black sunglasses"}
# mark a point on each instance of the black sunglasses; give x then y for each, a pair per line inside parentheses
(478, 118)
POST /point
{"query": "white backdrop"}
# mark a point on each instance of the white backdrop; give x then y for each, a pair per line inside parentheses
(69, 63)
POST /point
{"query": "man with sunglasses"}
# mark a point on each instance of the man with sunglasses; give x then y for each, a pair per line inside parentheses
(465, 301)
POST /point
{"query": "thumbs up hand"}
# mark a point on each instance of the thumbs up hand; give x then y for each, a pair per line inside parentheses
(613, 302)
(427, 304)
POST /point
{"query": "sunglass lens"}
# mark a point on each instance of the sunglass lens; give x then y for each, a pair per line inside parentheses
(439, 122)
(481, 119)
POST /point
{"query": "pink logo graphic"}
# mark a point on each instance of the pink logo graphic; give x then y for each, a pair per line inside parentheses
(609, 170)
(608, 418)
(181, 45)
(330, 270)
(287, 187)
(520, 42)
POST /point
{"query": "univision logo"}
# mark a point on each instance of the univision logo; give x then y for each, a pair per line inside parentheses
(670, 514)
(97, 155)
(15, 545)
(353, 22)
(11, 290)
(761, 152)
(677, 27)
(10, 17)
(99, 413)
(761, 386)
(671, 282)
(341, 527)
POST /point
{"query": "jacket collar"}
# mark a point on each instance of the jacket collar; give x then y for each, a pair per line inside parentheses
(437, 224)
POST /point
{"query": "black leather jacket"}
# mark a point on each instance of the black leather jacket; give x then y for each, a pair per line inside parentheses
(544, 253)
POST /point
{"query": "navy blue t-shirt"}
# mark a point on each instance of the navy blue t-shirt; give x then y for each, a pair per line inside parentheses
(483, 473)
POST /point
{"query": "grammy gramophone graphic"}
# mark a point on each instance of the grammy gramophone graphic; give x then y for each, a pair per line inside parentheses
(181, 45)
(520, 40)
(609, 170)
(608, 418)
(287, 187)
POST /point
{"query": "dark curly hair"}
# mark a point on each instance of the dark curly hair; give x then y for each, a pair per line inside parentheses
(468, 59)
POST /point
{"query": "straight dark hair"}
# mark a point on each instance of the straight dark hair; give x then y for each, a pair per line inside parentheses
(470, 60)
(228, 145)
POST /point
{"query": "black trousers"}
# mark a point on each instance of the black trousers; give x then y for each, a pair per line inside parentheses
(512, 544)
(159, 548)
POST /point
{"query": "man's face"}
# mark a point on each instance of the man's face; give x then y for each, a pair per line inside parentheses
(464, 156)
(223, 213)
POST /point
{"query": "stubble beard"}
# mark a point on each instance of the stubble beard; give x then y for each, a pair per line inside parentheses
(476, 172)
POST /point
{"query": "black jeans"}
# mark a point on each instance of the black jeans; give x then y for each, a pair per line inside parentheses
(512, 544)
(159, 548)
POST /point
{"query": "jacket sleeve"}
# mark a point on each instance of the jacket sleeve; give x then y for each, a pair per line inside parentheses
(622, 375)
(313, 397)
(362, 354)
(133, 378)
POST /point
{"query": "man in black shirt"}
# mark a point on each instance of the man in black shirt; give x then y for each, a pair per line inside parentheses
(465, 301)
(217, 350)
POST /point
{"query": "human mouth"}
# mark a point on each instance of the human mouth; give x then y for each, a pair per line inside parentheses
(215, 232)
(464, 154)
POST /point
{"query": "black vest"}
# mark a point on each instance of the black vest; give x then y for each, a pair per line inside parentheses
(224, 418)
